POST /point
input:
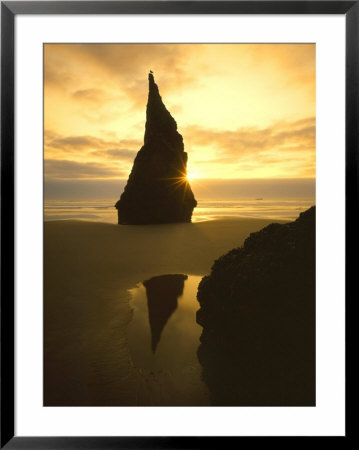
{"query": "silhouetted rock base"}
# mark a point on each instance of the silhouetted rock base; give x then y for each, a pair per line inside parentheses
(258, 317)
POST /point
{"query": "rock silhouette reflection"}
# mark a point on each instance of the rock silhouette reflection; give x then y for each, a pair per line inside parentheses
(162, 294)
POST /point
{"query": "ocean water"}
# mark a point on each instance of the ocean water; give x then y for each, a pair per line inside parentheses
(104, 210)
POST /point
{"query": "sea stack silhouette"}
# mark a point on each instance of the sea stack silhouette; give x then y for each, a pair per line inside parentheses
(157, 190)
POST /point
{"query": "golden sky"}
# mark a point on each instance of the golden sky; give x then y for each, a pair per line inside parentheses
(244, 110)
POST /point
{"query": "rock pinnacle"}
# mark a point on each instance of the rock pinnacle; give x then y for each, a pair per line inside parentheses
(157, 190)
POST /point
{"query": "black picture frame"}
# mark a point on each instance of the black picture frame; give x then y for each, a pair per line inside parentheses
(9, 10)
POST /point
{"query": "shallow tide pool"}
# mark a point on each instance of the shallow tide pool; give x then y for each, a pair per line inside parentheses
(163, 335)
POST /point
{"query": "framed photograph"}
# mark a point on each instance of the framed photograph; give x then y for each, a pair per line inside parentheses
(179, 185)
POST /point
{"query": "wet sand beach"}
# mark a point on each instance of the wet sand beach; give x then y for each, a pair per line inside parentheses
(92, 275)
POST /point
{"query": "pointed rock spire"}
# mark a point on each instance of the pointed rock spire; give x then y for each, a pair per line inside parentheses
(157, 189)
(158, 120)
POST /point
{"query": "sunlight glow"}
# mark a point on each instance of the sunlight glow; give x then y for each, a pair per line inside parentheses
(251, 116)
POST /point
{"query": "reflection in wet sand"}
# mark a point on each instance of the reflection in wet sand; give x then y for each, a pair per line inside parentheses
(162, 294)
(163, 338)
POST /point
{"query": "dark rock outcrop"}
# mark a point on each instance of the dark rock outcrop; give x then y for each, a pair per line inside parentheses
(157, 189)
(258, 317)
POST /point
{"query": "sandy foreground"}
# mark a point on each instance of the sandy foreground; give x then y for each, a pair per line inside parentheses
(88, 269)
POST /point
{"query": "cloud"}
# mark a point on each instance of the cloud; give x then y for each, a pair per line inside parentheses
(64, 169)
(90, 95)
(123, 67)
(122, 154)
(96, 93)
(251, 142)
(284, 147)
(91, 157)
(75, 144)
(296, 63)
